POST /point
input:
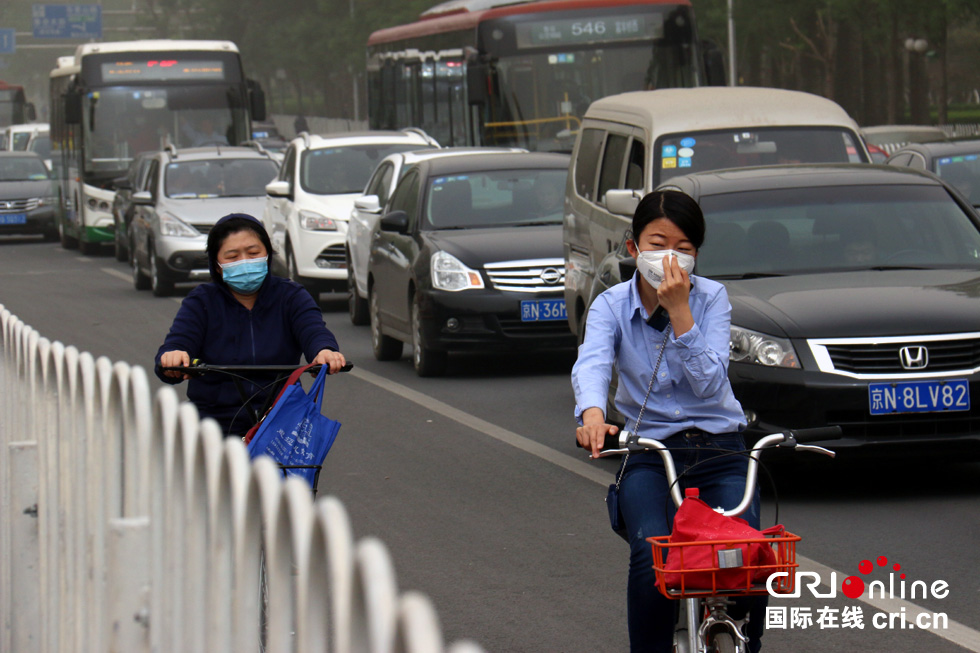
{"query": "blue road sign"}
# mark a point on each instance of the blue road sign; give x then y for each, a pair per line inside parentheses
(7, 41)
(67, 21)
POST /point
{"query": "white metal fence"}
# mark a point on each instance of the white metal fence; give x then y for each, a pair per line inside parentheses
(128, 525)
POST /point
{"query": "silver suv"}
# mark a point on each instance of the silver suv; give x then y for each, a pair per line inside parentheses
(185, 192)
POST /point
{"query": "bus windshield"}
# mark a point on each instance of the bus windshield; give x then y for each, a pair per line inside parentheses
(124, 121)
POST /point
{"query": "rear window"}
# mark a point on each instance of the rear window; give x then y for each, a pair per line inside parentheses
(681, 154)
(342, 170)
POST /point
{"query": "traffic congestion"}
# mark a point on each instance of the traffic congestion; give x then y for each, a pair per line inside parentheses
(484, 249)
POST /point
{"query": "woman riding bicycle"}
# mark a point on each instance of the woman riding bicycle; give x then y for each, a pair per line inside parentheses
(244, 316)
(690, 406)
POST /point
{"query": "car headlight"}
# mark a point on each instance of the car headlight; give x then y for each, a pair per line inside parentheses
(315, 222)
(171, 226)
(47, 201)
(748, 346)
(449, 273)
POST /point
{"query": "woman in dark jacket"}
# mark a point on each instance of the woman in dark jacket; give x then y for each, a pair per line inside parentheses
(245, 316)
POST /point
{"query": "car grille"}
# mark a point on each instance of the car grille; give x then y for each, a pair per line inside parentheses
(957, 353)
(334, 256)
(16, 206)
(535, 276)
(514, 327)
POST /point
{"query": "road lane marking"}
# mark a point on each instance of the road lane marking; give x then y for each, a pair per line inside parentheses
(957, 633)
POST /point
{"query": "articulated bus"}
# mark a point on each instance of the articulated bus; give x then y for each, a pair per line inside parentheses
(113, 100)
(492, 72)
(14, 107)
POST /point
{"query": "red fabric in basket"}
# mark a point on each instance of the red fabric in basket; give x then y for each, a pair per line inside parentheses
(696, 521)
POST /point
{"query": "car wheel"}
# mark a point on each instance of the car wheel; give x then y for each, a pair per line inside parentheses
(67, 241)
(357, 306)
(385, 347)
(122, 254)
(89, 249)
(161, 286)
(427, 361)
(140, 280)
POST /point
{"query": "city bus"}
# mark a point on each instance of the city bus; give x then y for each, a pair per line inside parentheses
(492, 72)
(14, 107)
(111, 101)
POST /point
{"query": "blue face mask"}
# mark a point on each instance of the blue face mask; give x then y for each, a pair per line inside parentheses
(245, 276)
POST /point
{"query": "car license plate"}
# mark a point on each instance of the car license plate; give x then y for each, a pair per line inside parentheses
(13, 218)
(541, 310)
(919, 397)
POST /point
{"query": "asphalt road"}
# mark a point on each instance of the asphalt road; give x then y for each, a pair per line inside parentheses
(475, 485)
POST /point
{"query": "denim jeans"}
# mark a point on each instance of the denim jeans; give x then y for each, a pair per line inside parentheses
(648, 511)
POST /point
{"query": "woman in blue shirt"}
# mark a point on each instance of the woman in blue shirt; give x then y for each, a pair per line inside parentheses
(245, 316)
(690, 406)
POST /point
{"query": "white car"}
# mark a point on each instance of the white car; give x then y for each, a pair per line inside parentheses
(367, 211)
(15, 138)
(310, 201)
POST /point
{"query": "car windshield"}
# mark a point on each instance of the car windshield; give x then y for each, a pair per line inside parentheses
(684, 153)
(218, 178)
(22, 168)
(962, 171)
(495, 198)
(806, 230)
(41, 145)
(341, 170)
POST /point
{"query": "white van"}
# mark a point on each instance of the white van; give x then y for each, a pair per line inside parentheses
(631, 143)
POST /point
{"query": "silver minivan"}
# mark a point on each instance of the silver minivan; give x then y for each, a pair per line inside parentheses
(631, 143)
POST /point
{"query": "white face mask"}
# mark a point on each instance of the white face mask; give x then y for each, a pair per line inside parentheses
(651, 264)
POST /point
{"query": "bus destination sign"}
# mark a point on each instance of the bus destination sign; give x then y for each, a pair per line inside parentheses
(543, 33)
(164, 68)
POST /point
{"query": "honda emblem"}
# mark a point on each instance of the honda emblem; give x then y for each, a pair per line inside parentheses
(914, 358)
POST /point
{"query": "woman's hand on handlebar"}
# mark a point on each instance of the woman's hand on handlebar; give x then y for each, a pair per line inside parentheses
(332, 359)
(592, 434)
(176, 359)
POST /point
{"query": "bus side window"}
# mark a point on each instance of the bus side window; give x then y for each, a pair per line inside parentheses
(586, 162)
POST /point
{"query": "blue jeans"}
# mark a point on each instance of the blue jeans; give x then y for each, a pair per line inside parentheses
(648, 511)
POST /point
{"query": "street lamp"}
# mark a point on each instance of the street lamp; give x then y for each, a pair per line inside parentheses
(918, 80)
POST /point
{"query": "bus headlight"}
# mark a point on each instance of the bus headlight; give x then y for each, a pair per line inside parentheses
(748, 346)
(98, 205)
(449, 273)
(171, 226)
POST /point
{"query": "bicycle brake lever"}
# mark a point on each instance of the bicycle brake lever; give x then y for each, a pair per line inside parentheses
(611, 452)
(815, 449)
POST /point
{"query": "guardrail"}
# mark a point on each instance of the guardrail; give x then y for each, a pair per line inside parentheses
(128, 525)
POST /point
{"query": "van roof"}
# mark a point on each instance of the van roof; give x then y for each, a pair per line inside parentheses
(718, 107)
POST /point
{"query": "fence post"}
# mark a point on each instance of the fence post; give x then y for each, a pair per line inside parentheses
(25, 560)
(162, 443)
(287, 545)
(329, 579)
(374, 595)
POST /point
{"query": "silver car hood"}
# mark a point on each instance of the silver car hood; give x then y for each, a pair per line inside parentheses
(210, 210)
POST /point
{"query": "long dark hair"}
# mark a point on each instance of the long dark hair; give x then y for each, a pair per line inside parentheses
(680, 208)
(226, 226)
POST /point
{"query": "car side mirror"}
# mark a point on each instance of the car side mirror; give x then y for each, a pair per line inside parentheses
(627, 267)
(368, 204)
(622, 202)
(122, 183)
(277, 188)
(395, 222)
(143, 198)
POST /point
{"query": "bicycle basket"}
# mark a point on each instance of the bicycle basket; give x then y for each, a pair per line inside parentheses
(697, 580)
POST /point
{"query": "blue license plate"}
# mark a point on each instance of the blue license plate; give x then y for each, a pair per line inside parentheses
(13, 218)
(950, 395)
(543, 310)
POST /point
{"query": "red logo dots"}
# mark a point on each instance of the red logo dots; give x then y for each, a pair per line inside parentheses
(853, 587)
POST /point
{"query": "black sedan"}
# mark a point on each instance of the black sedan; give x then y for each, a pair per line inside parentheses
(468, 257)
(27, 196)
(957, 162)
(855, 295)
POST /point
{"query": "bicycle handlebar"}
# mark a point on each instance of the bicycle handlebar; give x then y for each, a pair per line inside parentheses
(200, 368)
(628, 442)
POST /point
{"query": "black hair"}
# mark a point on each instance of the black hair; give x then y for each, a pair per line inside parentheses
(226, 226)
(680, 208)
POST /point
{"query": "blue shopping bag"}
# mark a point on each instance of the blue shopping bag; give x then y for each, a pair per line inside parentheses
(294, 433)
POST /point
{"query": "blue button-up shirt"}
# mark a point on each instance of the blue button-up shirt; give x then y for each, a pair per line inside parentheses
(692, 388)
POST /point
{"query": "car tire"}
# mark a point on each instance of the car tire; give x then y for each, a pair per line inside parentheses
(140, 280)
(159, 283)
(427, 361)
(89, 249)
(357, 306)
(122, 253)
(385, 347)
(67, 242)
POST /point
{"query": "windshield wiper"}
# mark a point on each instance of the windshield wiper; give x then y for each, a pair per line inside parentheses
(899, 267)
(748, 275)
(537, 223)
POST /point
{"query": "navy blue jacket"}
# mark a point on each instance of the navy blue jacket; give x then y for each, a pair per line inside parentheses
(213, 326)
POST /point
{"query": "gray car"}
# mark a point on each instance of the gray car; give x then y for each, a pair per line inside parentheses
(185, 192)
(27, 196)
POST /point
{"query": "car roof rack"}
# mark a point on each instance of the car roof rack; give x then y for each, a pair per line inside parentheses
(171, 149)
(422, 133)
(305, 135)
(258, 147)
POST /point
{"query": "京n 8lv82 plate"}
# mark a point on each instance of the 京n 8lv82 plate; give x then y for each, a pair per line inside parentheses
(947, 395)
(541, 310)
